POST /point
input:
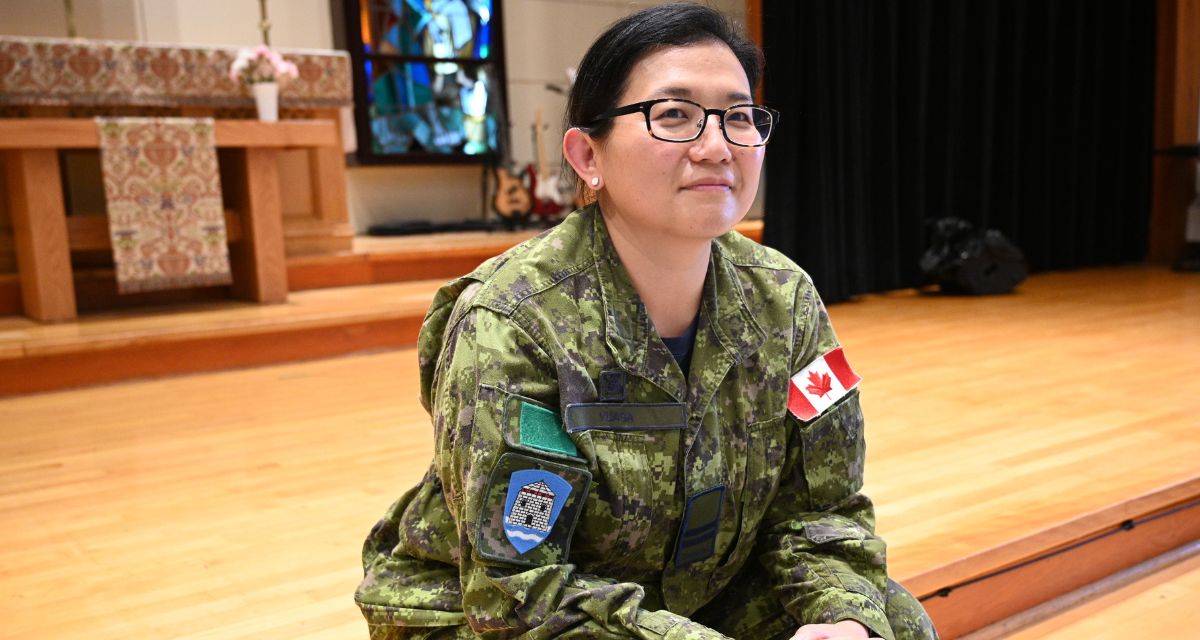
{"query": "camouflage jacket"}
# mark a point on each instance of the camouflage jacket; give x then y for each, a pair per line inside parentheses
(549, 387)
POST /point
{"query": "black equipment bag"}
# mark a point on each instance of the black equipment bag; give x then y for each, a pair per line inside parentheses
(961, 260)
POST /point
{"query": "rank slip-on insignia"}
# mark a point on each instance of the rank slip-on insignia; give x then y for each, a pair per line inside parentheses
(701, 523)
(820, 385)
(535, 498)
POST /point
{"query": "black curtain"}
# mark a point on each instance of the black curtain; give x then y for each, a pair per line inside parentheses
(1032, 117)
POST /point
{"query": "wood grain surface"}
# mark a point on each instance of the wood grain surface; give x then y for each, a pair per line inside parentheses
(233, 505)
(1161, 605)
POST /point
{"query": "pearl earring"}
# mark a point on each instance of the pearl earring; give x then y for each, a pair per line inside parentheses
(595, 181)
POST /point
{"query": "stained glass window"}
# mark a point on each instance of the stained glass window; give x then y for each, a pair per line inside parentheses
(427, 74)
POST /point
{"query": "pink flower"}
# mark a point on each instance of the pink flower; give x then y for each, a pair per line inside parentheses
(261, 64)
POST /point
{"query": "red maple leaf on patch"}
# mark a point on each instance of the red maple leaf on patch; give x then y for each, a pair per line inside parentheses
(819, 384)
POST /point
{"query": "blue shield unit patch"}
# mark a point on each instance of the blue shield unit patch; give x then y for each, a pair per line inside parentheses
(535, 499)
(523, 533)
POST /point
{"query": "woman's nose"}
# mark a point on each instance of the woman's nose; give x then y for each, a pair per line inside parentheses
(711, 145)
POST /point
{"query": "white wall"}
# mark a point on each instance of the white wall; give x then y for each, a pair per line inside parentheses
(303, 24)
(102, 19)
(295, 23)
(542, 38)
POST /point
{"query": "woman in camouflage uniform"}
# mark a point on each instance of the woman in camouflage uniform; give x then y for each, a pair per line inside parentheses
(645, 427)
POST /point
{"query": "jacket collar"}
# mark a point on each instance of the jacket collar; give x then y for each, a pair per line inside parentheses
(726, 335)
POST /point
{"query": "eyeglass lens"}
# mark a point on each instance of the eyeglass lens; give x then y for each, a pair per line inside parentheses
(679, 121)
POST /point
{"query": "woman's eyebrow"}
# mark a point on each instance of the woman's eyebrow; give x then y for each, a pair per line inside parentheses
(682, 92)
(673, 92)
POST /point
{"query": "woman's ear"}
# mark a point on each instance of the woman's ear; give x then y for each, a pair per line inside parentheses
(579, 149)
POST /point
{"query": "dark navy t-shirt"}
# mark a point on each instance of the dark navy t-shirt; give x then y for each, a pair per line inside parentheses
(681, 346)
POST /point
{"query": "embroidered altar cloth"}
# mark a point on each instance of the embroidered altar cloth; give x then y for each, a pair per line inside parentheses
(59, 71)
(163, 194)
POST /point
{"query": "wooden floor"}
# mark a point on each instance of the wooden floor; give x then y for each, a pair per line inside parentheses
(232, 505)
(1043, 404)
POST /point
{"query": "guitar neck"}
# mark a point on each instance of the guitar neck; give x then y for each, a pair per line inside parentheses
(537, 137)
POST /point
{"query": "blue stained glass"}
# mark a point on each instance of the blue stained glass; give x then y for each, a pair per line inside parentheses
(419, 73)
(388, 136)
(370, 85)
(434, 28)
(393, 39)
(440, 107)
(491, 133)
(483, 40)
(417, 82)
(404, 96)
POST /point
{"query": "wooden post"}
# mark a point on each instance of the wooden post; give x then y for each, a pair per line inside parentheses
(327, 171)
(258, 262)
(1176, 108)
(39, 222)
(329, 229)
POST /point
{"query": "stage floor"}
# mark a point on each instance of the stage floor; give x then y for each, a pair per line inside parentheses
(233, 504)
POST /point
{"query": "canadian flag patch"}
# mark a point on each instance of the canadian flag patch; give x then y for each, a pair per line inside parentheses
(819, 385)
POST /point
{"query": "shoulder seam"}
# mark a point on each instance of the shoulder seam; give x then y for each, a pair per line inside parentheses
(508, 309)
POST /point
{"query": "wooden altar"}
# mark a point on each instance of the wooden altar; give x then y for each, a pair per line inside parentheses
(50, 89)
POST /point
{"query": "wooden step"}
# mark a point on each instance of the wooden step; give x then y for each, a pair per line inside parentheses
(1156, 599)
(123, 345)
(1053, 569)
(185, 331)
(419, 257)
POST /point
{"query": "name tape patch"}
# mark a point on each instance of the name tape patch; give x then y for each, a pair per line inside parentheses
(625, 416)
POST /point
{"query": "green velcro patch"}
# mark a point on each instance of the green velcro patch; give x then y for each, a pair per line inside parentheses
(541, 429)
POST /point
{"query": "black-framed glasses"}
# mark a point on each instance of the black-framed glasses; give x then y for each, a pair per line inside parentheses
(679, 120)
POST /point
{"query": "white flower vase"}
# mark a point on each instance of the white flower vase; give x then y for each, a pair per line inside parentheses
(266, 98)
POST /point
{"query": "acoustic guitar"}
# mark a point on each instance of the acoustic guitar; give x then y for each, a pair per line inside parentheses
(512, 200)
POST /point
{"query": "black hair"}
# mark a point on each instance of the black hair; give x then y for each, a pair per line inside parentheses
(603, 73)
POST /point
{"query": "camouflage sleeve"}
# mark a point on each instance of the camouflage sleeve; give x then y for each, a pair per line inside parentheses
(818, 537)
(487, 361)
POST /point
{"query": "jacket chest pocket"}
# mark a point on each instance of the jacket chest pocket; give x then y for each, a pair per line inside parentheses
(763, 456)
(633, 493)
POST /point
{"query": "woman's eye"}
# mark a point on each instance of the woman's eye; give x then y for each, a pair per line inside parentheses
(671, 114)
(737, 117)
